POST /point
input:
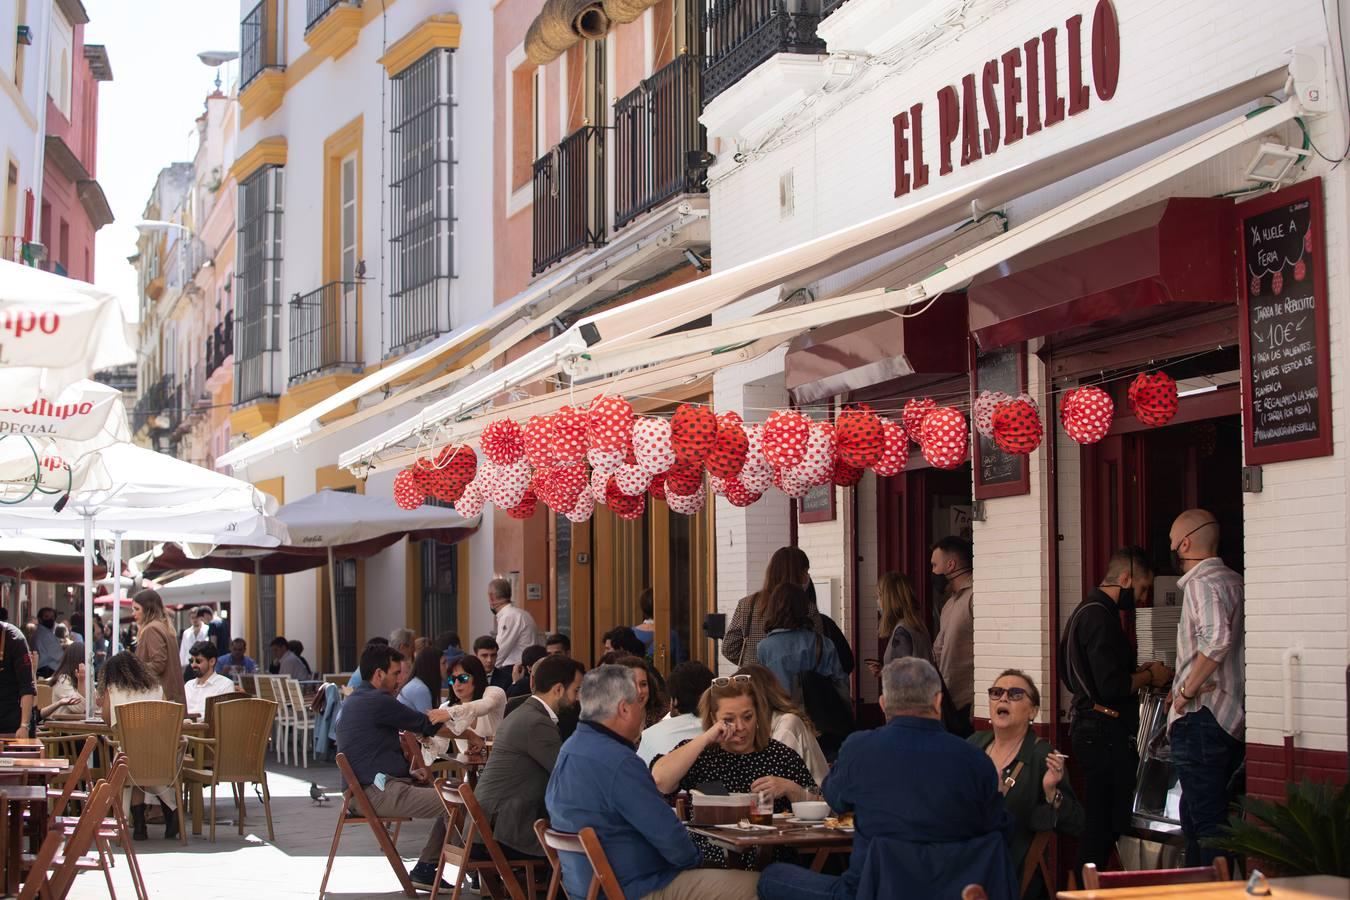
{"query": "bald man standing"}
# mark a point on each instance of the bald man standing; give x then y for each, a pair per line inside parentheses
(1206, 718)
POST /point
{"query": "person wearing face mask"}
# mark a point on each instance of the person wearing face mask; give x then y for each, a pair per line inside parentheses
(524, 751)
(1205, 722)
(1099, 668)
(954, 648)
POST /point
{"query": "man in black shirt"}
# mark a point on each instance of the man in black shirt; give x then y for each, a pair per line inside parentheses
(1099, 668)
(367, 733)
(17, 688)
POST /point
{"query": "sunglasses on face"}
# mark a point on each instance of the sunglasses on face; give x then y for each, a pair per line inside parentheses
(1014, 694)
(462, 678)
(724, 680)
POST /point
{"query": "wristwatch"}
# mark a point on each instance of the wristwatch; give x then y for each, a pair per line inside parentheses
(1181, 689)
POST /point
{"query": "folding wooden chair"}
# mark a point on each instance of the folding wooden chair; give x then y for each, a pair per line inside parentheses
(1035, 861)
(587, 843)
(366, 815)
(551, 854)
(464, 819)
(1094, 880)
(113, 827)
(52, 871)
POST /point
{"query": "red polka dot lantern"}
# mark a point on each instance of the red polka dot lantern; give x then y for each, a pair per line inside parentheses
(584, 509)
(944, 438)
(536, 434)
(983, 413)
(727, 456)
(895, 450)
(406, 492)
(1086, 414)
(784, 438)
(683, 479)
(502, 442)
(1017, 427)
(845, 475)
(652, 448)
(915, 411)
(1153, 398)
(693, 430)
(470, 503)
(609, 424)
(626, 507)
(738, 494)
(525, 508)
(859, 437)
(568, 438)
(687, 504)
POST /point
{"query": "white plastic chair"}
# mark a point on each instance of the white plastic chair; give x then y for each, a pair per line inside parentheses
(301, 725)
(270, 687)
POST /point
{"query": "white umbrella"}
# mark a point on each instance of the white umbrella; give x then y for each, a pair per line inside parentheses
(55, 331)
(58, 436)
(201, 586)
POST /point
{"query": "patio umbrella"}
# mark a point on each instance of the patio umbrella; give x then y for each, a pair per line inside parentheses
(57, 438)
(325, 526)
(32, 559)
(55, 331)
(210, 586)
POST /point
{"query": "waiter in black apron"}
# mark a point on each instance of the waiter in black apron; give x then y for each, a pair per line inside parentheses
(1099, 668)
(17, 688)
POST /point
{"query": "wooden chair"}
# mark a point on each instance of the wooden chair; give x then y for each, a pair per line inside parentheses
(301, 725)
(113, 828)
(550, 854)
(1094, 880)
(1036, 860)
(237, 755)
(60, 858)
(365, 815)
(150, 734)
(465, 819)
(44, 695)
(587, 843)
(417, 762)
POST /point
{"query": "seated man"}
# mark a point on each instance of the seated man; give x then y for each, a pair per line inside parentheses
(567, 714)
(686, 684)
(558, 644)
(367, 733)
(511, 787)
(926, 805)
(599, 782)
(520, 673)
(207, 683)
(237, 659)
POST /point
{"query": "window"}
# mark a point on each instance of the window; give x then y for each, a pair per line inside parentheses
(440, 587)
(256, 49)
(258, 313)
(422, 201)
(350, 219)
(58, 75)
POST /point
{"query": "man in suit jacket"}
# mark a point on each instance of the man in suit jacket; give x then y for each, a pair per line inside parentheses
(926, 805)
(512, 784)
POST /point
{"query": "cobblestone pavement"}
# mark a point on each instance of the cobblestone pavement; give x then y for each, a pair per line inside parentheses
(249, 866)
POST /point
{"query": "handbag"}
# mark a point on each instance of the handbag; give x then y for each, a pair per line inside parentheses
(829, 711)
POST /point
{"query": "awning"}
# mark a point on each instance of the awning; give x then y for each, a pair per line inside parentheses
(1173, 252)
(479, 345)
(619, 340)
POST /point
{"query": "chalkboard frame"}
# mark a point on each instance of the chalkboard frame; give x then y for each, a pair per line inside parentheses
(1321, 444)
(1022, 484)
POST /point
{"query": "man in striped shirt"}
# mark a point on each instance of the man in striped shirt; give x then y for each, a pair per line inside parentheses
(1206, 717)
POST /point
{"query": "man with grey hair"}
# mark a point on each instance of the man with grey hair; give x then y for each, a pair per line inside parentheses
(927, 806)
(512, 626)
(402, 640)
(599, 782)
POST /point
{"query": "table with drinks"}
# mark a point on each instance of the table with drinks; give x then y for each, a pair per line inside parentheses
(746, 827)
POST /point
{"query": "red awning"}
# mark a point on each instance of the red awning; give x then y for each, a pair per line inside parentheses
(852, 355)
(1179, 251)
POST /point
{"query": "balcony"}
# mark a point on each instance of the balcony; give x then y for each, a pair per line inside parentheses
(569, 198)
(324, 330)
(262, 81)
(256, 343)
(220, 344)
(317, 9)
(13, 248)
(332, 27)
(155, 407)
(742, 34)
(656, 128)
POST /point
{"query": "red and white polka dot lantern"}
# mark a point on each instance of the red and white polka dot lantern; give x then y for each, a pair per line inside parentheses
(859, 437)
(652, 446)
(944, 438)
(584, 508)
(470, 503)
(1153, 398)
(817, 463)
(985, 405)
(687, 504)
(895, 450)
(784, 438)
(916, 409)
(502, 442)
(568, 438)
(525, 508)
(1017, 427)
(1086, 414)
(632, 480)
(609, 424)
(406, 492)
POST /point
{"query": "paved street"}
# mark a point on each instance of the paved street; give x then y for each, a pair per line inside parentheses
(250, 867)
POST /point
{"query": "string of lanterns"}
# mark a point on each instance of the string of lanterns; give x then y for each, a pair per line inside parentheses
(606, 454)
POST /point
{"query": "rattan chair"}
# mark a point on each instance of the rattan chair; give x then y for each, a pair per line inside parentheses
(237, 755)
(150, 734)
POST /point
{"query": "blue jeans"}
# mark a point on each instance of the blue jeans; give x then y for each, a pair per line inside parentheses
(785, 881)
(1205, 757)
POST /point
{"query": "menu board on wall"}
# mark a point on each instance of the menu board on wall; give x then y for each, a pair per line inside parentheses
(998, 474)
(1286, 375)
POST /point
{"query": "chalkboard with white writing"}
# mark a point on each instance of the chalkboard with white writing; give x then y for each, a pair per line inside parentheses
(999, 474)
(1285, 365)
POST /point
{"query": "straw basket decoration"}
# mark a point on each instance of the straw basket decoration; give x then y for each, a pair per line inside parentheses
(621, 12)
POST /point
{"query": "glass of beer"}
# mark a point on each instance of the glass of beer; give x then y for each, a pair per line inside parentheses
(761, 813)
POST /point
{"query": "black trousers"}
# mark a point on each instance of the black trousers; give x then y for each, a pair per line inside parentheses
(1109, 765)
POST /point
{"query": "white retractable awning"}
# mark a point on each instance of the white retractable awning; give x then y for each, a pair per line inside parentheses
(552, 295)
(619, 339)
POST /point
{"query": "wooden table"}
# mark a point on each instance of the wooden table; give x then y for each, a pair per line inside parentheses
(815, 839)
(1311, 887)
(467, 767)
(17, 797)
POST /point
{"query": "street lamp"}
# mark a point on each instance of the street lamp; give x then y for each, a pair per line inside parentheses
(153, 226)
(217, 58)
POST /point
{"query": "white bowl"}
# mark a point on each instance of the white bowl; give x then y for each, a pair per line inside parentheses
(811, 810)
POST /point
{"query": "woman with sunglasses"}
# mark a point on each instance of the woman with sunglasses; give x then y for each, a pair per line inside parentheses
(474, 705)
(790, 723)
(737, 751)
(1031, 774)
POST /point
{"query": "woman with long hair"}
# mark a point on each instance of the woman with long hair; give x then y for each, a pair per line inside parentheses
(126, 679)
(423, 690)
(901, 627)
(790, 724)
(66, 683)
(788, 565)
(474, 704)
(791, 646)
(157, 645)
(651, 686)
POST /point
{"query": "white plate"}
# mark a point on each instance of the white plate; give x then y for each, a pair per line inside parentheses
(800, 821)
(748, 826)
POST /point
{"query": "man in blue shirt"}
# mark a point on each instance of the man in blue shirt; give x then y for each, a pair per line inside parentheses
(926, 805)
(599, 782)
(237, 657)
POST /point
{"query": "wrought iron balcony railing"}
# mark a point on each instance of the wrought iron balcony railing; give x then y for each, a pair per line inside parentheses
(316, 10)
(741, 34)
(153, 405)
(324, 329)
(656, 128)
(569, 197)
(220, 344)
(256, 51)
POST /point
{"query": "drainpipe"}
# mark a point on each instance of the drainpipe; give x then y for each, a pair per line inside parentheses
(1287, 660)
(40, 139)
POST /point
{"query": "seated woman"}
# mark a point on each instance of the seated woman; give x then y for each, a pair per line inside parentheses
(475, 706)
(1031, 774)
(423, 690)
(737, 752)
(67, 701)
(790, 724)
(126, 679)
(651, 686)
(791, 644)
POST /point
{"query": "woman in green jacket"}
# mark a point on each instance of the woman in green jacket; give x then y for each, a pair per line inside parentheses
(1031, 774)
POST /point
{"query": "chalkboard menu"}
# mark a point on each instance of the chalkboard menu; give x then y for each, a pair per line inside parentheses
(998, 474)
(817, 505)
(1286, 377)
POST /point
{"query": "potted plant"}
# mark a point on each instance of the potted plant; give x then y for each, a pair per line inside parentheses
(1308, 834)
